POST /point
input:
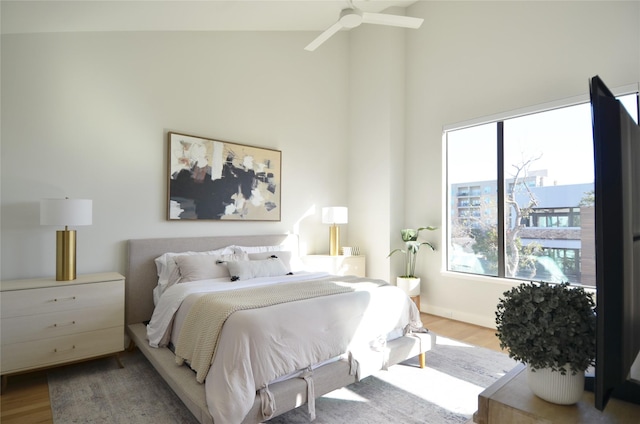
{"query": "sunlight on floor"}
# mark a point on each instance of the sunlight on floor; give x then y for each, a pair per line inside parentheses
(449, 342)
(346, 394)
(448, 392)
(433, 386)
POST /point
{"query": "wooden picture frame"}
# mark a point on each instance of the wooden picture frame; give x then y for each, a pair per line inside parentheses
(217, 180)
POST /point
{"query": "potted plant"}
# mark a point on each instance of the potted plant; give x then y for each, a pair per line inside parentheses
(408, 281)
(552, 329)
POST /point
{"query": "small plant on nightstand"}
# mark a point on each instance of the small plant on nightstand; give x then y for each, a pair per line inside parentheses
(408, 281)
(412, 247)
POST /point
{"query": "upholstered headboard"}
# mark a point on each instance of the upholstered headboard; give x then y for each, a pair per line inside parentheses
(142, 275)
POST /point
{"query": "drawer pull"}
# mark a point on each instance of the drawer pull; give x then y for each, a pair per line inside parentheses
(64, 299)
(56, 350)
(64, 325)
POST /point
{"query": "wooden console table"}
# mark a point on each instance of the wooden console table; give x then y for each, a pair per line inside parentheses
(509, 400)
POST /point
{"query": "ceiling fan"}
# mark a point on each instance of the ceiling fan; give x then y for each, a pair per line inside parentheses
(352, 17)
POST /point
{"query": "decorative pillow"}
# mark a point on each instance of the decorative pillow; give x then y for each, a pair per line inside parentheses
(168, 272)
(288, 253)
(244, 270)
(284, 255)
(202, 267)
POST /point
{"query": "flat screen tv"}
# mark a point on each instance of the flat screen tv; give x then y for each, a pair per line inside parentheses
(616, 141)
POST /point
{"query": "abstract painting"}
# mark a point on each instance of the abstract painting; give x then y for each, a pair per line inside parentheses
(218, 180)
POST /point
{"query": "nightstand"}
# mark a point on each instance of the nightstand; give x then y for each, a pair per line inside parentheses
(336, 265)
(47, 322)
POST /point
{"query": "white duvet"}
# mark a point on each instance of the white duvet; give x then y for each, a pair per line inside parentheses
(259, 346)
(159, 328)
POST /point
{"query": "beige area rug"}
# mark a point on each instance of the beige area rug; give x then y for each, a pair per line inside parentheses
(443, 393)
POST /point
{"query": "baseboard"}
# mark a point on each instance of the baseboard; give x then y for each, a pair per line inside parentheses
(479, 320)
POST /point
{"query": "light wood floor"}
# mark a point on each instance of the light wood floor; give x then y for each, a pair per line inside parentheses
(458, 330)
(25, 400)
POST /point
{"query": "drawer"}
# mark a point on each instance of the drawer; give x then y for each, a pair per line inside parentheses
(337, 265)
(43, 326)
(55, 299)
(47, 352)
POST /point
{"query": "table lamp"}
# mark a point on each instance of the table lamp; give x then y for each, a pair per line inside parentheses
(67, 212)
(334, 215)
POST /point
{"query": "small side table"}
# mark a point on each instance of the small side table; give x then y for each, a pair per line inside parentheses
(509, 400)
(336, 265)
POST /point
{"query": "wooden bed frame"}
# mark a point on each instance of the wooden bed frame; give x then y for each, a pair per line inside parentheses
(140, 281)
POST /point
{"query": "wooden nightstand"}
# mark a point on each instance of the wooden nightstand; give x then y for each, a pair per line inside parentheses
(336, 265)
(509, 400)
(47, 322)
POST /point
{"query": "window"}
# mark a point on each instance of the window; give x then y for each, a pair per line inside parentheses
(472, 163)
(521, 196)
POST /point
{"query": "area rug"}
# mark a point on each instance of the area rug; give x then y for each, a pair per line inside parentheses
(99, 392)
(445, 392)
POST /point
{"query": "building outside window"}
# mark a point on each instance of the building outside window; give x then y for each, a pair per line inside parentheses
(543, 163)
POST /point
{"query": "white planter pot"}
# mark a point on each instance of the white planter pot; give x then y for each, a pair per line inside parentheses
(554, 387)
(411, 286)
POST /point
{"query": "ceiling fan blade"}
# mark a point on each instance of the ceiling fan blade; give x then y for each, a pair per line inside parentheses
(392, 20)
(324, 36)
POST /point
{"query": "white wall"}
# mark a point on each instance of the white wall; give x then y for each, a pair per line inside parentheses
(376, 98)
(85, 115)
(473, 59)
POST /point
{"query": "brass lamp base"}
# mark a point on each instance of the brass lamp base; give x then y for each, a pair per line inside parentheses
(334, 240)
(65, 255)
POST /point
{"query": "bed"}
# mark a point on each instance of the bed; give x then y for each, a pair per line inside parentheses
(287, 394)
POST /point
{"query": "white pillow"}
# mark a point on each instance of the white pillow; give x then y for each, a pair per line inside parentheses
(244, 270)
(167, 269)
(218, 260)
(284, 255)
(202, 267)
(293, 263)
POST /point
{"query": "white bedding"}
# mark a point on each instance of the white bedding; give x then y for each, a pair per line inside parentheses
(159, 328)
(292, 336)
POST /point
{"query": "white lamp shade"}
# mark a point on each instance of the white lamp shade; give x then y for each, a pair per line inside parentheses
(335, 215)
(66, 212)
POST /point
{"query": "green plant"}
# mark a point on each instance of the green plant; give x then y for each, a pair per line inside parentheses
(412, 246)
(548, 326)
